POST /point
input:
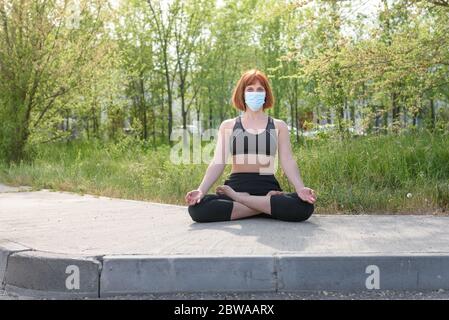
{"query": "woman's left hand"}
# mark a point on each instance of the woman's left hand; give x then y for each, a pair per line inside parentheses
(307, 194)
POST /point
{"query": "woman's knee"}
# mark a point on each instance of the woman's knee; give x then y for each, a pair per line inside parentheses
(300, 214)
(304, 211)
(197, 213)
(211, 209)
(290, 207)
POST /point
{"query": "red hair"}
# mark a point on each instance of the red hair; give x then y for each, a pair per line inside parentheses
(249, 77)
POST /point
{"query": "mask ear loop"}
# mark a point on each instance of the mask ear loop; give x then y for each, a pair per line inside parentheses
(244, 103)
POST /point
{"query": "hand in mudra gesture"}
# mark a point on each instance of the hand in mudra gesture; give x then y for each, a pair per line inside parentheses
(307, 194)
(193, 197)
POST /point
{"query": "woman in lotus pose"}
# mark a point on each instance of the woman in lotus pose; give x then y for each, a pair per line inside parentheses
(251, 189)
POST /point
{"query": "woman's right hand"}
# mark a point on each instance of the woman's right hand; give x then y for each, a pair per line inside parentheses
(194, 197)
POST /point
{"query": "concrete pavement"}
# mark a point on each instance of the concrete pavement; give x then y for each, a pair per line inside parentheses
(64, 244)
(5, 188)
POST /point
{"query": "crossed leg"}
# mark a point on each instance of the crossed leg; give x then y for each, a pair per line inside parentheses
(246, 205)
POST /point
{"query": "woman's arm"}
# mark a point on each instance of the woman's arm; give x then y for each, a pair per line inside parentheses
(286, 159)
(218, 163)
(290, 167)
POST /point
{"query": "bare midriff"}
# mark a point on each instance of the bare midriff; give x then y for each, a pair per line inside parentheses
(253, 163)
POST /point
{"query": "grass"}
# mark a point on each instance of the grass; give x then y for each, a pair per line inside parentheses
(395, 174)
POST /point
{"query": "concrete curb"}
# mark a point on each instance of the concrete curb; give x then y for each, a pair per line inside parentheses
(364, 272)
(6, 249)
(136, 275)
(286, 273)
(42, 274)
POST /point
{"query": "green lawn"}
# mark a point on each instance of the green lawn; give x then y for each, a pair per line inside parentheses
(370, 174)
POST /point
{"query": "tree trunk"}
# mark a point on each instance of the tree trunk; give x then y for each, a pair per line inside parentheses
(296, 121)
(396, 110)
(143, 108)
(432, 114)
(170, 99)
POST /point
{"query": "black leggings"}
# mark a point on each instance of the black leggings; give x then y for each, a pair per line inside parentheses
(218, 207)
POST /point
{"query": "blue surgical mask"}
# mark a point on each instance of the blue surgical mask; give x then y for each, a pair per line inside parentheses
(255, 100)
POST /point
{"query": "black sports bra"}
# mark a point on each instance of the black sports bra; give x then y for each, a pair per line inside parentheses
(244, 142)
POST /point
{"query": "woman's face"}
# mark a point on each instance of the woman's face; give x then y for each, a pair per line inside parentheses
(255, 87)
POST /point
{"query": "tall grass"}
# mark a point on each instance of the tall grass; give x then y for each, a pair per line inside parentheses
(406, 173)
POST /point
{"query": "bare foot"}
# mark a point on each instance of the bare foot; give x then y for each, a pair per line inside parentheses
(228, 191)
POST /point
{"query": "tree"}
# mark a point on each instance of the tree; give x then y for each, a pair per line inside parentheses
(45, 53)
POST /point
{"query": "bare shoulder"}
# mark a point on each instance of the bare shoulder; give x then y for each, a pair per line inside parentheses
(228, 123)
(226, 126)
(280, 124)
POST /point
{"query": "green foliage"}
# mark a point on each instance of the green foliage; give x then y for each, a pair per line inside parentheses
(157, 67)
(92, 108)
(46, 59)
(367, 174)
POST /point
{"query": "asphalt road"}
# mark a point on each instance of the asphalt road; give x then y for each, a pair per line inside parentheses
(320, 295)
